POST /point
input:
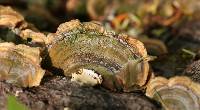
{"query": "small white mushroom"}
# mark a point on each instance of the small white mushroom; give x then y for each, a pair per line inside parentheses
(87, 77)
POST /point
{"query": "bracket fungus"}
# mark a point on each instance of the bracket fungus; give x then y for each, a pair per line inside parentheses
(154, 46)
(120, 60)
(20, 64)
(16, 23)
(98, 9)
(11, 18)
(177, 93)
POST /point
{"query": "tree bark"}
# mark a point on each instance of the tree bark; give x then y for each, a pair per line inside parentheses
(59, 92)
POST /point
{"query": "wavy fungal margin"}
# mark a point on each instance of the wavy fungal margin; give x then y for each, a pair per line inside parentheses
(177, 93)
(122, 61)
(20, 65)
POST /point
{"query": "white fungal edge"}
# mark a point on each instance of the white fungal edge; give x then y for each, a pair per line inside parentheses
(87, 77)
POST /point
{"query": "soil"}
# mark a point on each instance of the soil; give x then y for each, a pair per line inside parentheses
(58, 93)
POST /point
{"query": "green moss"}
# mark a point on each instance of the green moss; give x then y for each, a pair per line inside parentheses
(14, 104)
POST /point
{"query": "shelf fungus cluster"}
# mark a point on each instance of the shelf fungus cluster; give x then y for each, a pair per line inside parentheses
(16, 23)
(85, 51)
(121, 61)
(92, 55)
(20, 64)
(177, 93)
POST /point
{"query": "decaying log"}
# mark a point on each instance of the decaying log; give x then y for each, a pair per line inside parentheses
(59, 93)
